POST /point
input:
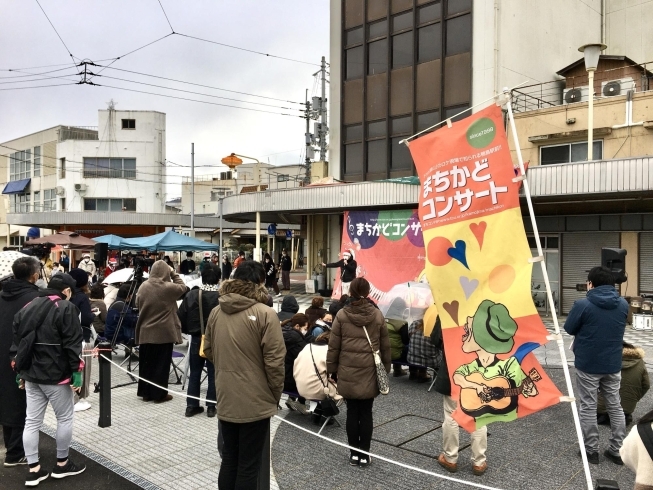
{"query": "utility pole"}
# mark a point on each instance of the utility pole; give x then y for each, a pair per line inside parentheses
(323, 112)
(309, 139)
(192, 187)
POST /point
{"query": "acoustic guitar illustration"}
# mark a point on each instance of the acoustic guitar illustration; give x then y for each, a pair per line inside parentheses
(500, 396)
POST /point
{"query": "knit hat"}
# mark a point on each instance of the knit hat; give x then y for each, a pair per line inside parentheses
(80, 276)
(62, 281)
(494, 328)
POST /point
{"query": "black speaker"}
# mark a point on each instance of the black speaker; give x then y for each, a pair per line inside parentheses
(101, 252)
(615, 260)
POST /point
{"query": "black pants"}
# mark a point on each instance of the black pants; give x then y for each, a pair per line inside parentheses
(359, 424)
(13, 437)
(242, 454)
(155, 367)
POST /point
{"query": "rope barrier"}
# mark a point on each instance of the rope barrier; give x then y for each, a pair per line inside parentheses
(338, 443)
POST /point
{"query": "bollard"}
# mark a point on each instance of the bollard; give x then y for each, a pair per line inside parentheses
(264, 472)
(104, 385)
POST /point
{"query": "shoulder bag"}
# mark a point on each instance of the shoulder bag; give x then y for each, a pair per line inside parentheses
(201, 326)
(328, 405)
(646, 435)
(381, 373)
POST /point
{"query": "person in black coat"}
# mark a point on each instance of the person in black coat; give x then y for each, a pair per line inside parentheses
(348, 268)
(16, 293)
(295, 338)
(289, 307)
(189, 315)
(270, 274)
(226, 268)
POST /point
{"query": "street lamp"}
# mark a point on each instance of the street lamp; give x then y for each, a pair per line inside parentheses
(592, 53)
(234, 160)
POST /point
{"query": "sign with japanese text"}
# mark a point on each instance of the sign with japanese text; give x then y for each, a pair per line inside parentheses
(387, 246)
(479, 271)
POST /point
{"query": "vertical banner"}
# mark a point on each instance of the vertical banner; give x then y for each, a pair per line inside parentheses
(479, 271)
(387, 246)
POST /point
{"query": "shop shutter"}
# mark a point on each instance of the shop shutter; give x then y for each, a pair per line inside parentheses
(581, 252)
(645, 263)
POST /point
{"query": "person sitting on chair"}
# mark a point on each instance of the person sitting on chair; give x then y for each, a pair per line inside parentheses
(122, 302)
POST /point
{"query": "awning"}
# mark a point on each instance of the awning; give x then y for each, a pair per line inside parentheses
(16, 186)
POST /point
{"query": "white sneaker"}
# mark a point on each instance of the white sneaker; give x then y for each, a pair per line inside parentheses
(82, 405)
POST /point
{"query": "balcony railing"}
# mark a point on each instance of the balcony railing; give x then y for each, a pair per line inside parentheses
(551, 94)
(78, 133)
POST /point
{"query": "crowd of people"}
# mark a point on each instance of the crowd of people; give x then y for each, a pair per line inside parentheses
(321, 358)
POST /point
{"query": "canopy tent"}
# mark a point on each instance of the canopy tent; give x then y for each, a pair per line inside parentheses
(169, 241)
(67, 239)
(112, 241)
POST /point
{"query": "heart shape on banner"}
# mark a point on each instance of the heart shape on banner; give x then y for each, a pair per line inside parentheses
(478, 229)
(452, 309)
(469, 285)
(458, 252)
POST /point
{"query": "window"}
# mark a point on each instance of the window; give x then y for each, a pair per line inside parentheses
(20, 164)
(37, 161)
(402, 50)
(62, 168)
(354, 58)
(401, 125)
(377, 156)
(429, 43)
(353, 133)
(458, 6)
(354, 158)
(111, 205)
(20, 203)
(354, 36)
(402, 21)
(283, 178)
(428, 13)
(114, 168)
(376, 129)
(377, 57)
(450, 112)
(16, 241)
(37, 201)
(62, 204)
(427, 119)
(569, 152)
(129, 124)
(49, 200)
(400, 155)
(459, 35)
(378, 29)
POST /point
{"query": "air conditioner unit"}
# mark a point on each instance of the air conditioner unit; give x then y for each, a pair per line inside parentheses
(620, 86)
(80, 187)
(577, 94)
(60, 190)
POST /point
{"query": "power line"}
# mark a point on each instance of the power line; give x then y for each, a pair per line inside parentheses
(18, 70)
(57, 32)
(246, 50)
(47, 66)
(195, 100)
(39, 86)
(197, 93)
(200, 85)
(164, 13)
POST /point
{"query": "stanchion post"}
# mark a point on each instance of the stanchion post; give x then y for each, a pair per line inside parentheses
(264, 473)
(105, 384)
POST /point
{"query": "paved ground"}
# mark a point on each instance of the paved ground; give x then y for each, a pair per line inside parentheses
(155, 446)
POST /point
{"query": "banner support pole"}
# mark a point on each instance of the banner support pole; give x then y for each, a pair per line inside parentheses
(559, 341)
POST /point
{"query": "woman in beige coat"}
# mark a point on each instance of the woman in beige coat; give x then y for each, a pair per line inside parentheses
(158, 329)
(350, 358)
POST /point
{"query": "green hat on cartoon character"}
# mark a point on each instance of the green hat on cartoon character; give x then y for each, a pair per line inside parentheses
(494, 328)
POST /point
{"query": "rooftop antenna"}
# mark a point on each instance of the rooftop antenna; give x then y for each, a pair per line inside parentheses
(111, 105)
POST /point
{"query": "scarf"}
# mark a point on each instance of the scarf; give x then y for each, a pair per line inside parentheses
(209, 287)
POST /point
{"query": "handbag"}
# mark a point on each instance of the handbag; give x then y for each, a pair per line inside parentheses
(328, 405)
(201, 327)
(381, 373)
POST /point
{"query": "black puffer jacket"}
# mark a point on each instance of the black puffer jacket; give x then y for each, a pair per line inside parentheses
(289, 307)
(442, 381)
(58, 342)
(189, 311)
(15, 295)
(347, 271)
(295, 342)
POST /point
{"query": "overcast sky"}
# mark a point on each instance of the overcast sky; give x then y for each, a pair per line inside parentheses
(297, 29)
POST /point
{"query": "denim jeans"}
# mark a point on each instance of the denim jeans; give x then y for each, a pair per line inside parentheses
(588, 391)
(197, 364)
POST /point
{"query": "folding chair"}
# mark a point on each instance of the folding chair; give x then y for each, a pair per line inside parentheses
(176, 366)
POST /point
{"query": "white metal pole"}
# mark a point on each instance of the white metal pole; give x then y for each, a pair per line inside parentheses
(561, 345)
(220, 203)
(257, 253)
(590, 119)
(192, 186)
(292, 252)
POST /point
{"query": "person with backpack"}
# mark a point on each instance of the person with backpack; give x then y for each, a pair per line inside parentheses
(48, 348)
(16, 293)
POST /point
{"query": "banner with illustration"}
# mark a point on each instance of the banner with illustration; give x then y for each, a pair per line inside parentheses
(387, 246)
(479, 271)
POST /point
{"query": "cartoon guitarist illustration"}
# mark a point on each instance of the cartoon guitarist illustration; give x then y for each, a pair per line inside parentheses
(490, 387)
